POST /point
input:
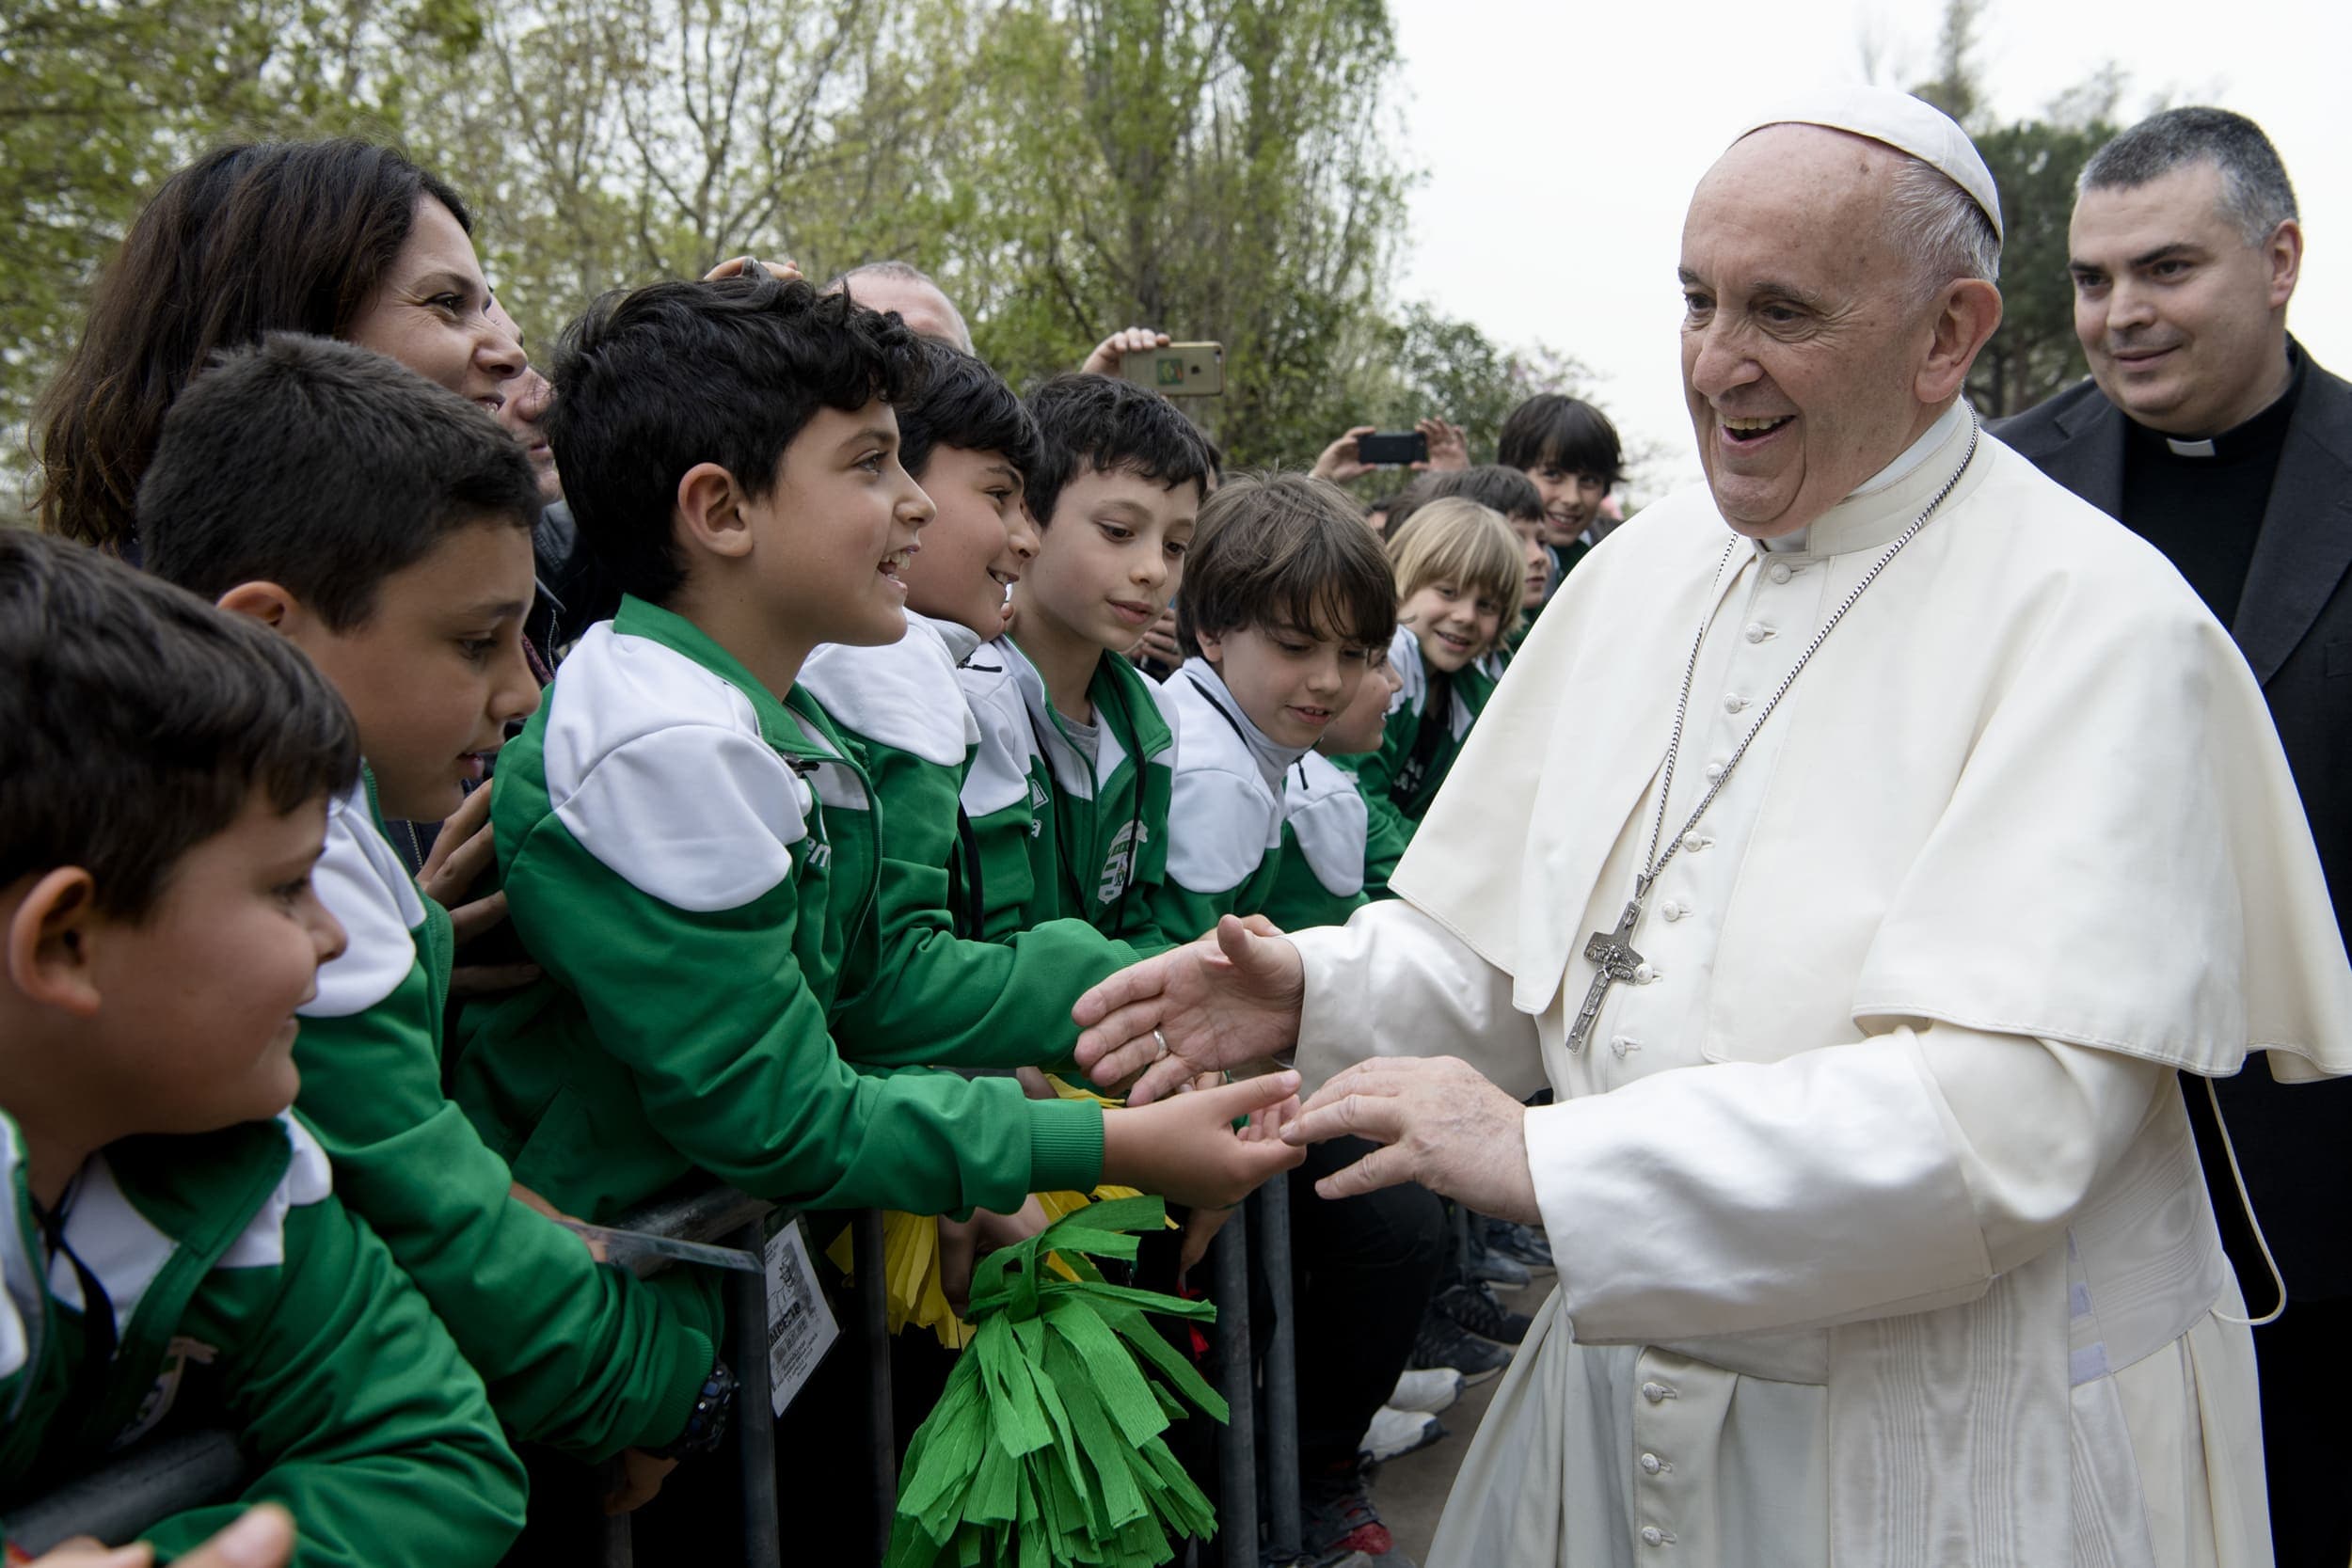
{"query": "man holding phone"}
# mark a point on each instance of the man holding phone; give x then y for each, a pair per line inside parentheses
(1432, 446)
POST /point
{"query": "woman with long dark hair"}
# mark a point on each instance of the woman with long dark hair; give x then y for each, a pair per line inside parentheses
(340, 239)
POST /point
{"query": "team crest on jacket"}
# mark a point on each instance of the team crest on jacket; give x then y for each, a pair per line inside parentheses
(157, 1403)
(1121, 863)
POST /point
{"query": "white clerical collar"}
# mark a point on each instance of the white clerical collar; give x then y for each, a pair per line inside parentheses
(1270, 756)
(1883, 506)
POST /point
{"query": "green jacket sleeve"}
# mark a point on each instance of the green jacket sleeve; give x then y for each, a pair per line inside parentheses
(730, 1057)
(932, 996)
(581, 1357)
(1389, 832)
(377, 1435)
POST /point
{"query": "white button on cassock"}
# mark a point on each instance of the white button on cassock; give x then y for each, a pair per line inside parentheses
(1714, 772)
(1693, 843)
(1733, 703)
(1651, 1465)
(1672, 910)
(1653, 1536)
(1654, 1392)
(1780, 572)
(1758, 631)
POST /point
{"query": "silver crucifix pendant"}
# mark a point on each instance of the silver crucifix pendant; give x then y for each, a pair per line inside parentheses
(1612, 952)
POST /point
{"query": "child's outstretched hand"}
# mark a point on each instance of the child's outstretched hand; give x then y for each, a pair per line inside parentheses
(1185, 1148)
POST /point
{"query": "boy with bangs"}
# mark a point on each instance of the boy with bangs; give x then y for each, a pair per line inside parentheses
(688, 844)
(1320, 879)
(1286, 602)
(169, 1238)
(929, 990)
(1460, 576)
(410, 599)
(1515, 494)
(1068, 791)
(1571, 451)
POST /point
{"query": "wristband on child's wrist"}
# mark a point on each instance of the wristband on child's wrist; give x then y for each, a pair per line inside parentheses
(707, 1423)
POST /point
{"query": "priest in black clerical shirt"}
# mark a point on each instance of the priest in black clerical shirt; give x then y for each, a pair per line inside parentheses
(2212, 434)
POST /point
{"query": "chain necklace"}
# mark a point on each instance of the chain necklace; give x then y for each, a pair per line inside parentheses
(1612, 951)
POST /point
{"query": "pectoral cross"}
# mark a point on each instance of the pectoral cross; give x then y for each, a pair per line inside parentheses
(1614, 952)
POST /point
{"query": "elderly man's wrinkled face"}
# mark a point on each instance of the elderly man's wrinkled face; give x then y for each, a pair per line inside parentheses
(1802, 339)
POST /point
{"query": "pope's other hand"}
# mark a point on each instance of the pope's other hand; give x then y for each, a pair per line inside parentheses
(1230, 998)
(1440, 1123)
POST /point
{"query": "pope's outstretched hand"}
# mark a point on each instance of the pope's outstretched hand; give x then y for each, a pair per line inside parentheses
(1230, 998)
(1438, 1122)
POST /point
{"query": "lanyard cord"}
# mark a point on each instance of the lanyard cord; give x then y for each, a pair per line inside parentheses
(98, 1309)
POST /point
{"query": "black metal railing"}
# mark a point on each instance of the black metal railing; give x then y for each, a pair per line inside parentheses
(189, 1470)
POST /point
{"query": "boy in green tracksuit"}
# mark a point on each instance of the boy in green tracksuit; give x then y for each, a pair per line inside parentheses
(410, 597)
(1287, 601)
(928, 988)
(1068, 790)
(1320, 879)
(687, 844)
(1459, 581)
(168, 1242)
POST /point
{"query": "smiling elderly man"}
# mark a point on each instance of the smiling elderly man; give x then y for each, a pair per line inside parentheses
(1924, 826)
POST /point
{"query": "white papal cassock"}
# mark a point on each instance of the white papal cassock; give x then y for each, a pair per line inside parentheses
(1880, 1236)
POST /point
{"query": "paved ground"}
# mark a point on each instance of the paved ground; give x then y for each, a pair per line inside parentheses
(1411, 1492)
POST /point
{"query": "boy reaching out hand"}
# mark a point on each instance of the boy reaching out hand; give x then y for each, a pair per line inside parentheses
(687, 843)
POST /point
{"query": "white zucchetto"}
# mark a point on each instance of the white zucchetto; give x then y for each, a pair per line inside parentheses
(1904, 123)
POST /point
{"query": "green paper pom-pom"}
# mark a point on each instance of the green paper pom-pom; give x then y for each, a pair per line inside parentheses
(1048, 1448)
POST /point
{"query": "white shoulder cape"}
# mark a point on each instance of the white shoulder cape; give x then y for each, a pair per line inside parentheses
(2028, 786)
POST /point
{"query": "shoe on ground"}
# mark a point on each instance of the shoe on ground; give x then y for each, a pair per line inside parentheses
(1493, 1268)
(1398, 1431)
(1427, 1389)
(1475, 1308)
(1521, 1244)
(1440, 1342)
(1341, 1523)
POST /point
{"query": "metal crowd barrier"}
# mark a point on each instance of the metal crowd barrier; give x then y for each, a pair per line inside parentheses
(188, 1470)
(737, 1219)
(1264, 1397)
(117, 1501)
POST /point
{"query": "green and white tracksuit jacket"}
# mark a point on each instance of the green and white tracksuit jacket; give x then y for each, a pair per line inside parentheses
(1320, 881)
(1057, 832)
(1427, 723)
(217, 1276)
(928, 990)
(585, 1358)
(662, 837)
(1225, 808)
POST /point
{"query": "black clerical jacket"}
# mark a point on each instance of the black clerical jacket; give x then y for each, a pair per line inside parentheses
(2293, 624)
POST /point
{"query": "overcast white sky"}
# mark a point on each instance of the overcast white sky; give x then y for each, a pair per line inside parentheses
(1561, 141)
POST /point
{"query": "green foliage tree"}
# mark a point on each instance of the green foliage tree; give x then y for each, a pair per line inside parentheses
(2035, 352)
(1214, 167)
(2033, 163)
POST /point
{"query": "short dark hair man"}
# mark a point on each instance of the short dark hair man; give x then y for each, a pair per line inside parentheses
(2208, 431)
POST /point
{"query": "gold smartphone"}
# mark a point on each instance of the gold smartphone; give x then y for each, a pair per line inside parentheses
(1178, 370)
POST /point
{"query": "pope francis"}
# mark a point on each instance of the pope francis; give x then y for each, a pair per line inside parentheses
(1861, 849)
